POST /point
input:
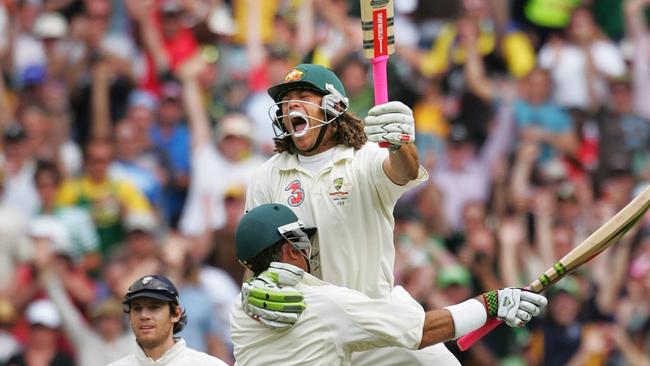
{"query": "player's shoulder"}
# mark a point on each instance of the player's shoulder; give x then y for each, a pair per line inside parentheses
(203, 358)
(129, 360)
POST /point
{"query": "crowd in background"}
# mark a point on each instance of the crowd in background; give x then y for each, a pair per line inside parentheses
(532, 118)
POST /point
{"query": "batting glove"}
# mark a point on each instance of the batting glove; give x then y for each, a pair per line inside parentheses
(391, 122)
(514, 306)
(270, 298)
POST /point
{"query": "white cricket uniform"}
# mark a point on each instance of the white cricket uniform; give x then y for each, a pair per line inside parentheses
(337, 322)
(178, 355)
(350, 202)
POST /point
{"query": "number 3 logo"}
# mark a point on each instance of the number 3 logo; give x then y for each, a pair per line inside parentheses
(297, 193)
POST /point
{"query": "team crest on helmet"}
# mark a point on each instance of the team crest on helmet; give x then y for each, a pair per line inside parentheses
(293, 75)
(146, 280)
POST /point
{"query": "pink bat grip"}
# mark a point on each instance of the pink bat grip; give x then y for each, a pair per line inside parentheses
(380, 83)
(469, 339)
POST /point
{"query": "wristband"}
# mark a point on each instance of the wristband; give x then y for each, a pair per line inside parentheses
(468, 316)
(491, 299)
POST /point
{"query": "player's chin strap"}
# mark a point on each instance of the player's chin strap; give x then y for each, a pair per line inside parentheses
(319, 140)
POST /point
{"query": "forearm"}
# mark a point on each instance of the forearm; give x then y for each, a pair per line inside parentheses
(477, 81)
(153, 43)
(197, 118)
(438, 327)
(402, 165)
(453, 321)
(101, 125)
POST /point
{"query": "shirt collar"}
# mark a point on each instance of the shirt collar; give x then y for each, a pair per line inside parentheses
(166, 359)
(288, 161)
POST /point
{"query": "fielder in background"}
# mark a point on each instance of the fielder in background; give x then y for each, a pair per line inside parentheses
(155, 315)
(331, 172)
(338, 321)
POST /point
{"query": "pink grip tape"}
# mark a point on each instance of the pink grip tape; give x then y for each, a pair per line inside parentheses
(380, 84)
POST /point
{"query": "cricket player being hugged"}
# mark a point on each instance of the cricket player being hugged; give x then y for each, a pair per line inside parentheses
(333, 175)
(338, 321)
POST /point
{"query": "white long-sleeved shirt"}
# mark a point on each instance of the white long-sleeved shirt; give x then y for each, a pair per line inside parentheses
(178, 355)
(337, 323)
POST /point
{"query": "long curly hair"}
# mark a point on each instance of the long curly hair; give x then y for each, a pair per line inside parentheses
(349, 132)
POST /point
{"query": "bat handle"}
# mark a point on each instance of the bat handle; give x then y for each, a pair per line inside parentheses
(380, 83)
(469, 339)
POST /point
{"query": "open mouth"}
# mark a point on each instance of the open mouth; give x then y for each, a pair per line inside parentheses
(298, 123)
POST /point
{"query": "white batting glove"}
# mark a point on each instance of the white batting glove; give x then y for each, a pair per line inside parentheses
(390, 122)
(514, 306)
(270, 298)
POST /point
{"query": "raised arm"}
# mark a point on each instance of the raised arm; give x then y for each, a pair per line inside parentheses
(101, 117)
(196, 115)
(637, 30)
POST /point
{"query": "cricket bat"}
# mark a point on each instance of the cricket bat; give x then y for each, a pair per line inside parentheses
(378, 43)
(601, 239)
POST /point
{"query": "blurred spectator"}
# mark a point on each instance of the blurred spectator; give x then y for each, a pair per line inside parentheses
(231, 153)
(103, 340)
(172, 137)
(15, 247)
(108, 201)
(8, 343)
(580, 61)
(84, 242)
(204, 333)
(557, 337)
(448, 49)
(546, 17)
(41, 348)
(624, 136)
(542, 122)
(221, 252)
(128, 166)
(166, 39)
(463, 174)
(19, 166)
(354, 76)
(637, 30)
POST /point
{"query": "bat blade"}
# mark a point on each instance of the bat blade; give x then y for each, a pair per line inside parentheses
(377, 20)
(601, 239)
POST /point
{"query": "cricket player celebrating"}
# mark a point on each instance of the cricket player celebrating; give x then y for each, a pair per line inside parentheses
(331, 178)
(337, 321)
(329, 175)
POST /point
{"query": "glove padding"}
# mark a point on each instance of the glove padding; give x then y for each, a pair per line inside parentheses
(515, 306)
(390, 122)
(270, 298)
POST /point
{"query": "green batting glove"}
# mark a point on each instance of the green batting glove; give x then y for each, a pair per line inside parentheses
(271, 299)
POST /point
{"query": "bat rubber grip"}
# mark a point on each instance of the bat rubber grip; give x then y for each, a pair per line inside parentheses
(380, 84)
(469, 339)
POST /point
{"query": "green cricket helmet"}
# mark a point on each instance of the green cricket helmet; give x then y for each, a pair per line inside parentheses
(312, 77)
(308, 76)
(267, 225)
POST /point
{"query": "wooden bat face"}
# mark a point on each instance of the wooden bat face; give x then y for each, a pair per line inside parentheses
(601, 239)
(377, 23)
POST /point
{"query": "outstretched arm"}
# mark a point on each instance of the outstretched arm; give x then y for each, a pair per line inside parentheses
(514, 306)
(196, 115)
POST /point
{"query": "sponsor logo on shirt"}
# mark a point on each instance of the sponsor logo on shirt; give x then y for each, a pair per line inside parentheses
(296, 193)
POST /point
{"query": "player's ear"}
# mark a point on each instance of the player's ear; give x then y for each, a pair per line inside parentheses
(289, 253)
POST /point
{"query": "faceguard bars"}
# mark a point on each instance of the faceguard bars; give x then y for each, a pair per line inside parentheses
(334, 105)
